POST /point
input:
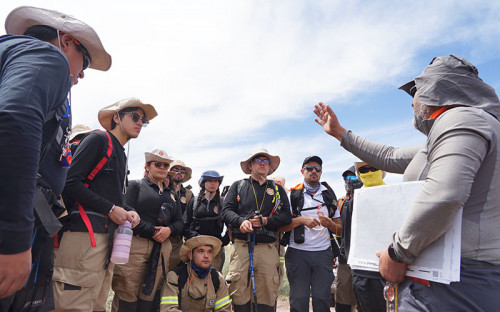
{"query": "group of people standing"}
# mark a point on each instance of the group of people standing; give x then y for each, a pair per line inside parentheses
(61, 201)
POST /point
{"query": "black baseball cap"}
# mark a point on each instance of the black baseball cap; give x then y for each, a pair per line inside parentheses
(313, 158)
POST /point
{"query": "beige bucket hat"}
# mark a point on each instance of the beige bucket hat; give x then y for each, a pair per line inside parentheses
(197, 241)
(79, 129)
(24, 17)
(180, 163)
(275, 160)
(106, 114)
(359, 164)
(158, 155)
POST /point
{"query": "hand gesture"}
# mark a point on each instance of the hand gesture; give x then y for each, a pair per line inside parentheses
(328, 120)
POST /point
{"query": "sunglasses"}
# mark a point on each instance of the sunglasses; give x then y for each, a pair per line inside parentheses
(178, 170)
(351, 178)
(85, 53)
(258, 161)
(311, 168)
(367, 169)
(413, 90)
(159, 164)
(136, 117)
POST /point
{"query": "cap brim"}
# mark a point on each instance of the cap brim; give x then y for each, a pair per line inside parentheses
(105, 114)
(274, 163)
(152, 157)
(24, 17)
(200, 240)
(407, 86)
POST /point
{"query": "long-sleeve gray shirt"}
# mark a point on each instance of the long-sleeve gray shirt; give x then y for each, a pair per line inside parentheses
(460, 164)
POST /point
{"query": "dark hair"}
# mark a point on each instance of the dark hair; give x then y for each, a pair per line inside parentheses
(201, 195)
(126, 110)
(42, 32)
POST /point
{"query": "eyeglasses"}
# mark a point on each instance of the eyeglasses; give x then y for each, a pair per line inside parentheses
(351, 178)
(311, 168)
(258, 161)
(136, 117)
(367, 169)
(85, 53)
(159, 164)
(413, 90)
(181, 170)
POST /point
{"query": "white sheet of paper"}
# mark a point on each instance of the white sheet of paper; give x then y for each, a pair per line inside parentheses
(378, 212)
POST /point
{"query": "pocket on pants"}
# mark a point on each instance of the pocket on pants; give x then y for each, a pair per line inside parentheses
(75, 277)
(233, 277)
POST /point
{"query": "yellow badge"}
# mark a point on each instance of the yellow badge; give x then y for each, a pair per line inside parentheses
(183, 200)
(270, 191)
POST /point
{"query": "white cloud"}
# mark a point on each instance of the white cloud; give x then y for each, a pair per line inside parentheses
(220, 73)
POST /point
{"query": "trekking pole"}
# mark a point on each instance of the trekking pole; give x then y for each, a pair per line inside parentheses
(251, 244)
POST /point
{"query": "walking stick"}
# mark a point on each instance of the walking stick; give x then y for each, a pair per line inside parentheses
(251, 244)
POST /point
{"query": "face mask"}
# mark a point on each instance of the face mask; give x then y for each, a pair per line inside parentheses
(372, 178)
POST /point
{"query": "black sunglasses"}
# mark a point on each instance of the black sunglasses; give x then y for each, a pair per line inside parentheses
(259, 160)
(413, 90)
(367, 169)
(311, 168)
(182, 170)
(159, 164)
(85, 53)
(136, 117)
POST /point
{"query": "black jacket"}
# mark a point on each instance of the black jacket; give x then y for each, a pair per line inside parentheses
(204, 218)
(144, 196)
(240, 204)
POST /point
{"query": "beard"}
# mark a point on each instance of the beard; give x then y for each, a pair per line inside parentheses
(417, 123)
(421, 113)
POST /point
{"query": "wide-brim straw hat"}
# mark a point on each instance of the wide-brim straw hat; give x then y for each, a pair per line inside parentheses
(274, 161)
(105, 115)
(24, 17)
(79, 129)
(158, 155)
(197, 241)
(180, 163)
(359, 164)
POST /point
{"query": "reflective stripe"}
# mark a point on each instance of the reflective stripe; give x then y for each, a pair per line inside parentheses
(169, 300)
(223, 302)
(282, 259)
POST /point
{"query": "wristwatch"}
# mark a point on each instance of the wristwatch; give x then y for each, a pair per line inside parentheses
(392, 254)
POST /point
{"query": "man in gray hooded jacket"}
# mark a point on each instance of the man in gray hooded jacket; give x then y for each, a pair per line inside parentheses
(459, 163)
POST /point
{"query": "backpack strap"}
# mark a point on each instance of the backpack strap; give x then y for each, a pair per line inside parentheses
(182, 276)
(330, 199)
(88, 180)
(215, 279)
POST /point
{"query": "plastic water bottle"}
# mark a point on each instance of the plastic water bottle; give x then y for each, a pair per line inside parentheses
(121, 243)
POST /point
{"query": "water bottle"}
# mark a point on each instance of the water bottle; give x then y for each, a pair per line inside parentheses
(121, 243)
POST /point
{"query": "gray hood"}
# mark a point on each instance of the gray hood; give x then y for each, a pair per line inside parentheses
(452, 80)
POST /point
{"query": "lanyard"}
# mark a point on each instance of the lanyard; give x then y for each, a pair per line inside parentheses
(255, 195)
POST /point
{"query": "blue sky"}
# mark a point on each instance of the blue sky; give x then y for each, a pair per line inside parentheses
(229, 76)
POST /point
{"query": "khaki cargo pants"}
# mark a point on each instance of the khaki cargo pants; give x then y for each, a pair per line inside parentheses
(80, 280)
(128, 278)
(266, 266)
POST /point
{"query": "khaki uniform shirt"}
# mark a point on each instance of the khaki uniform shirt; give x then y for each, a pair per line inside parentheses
(198, 295)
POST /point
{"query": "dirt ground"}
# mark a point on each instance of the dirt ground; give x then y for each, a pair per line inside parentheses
(283, 306)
